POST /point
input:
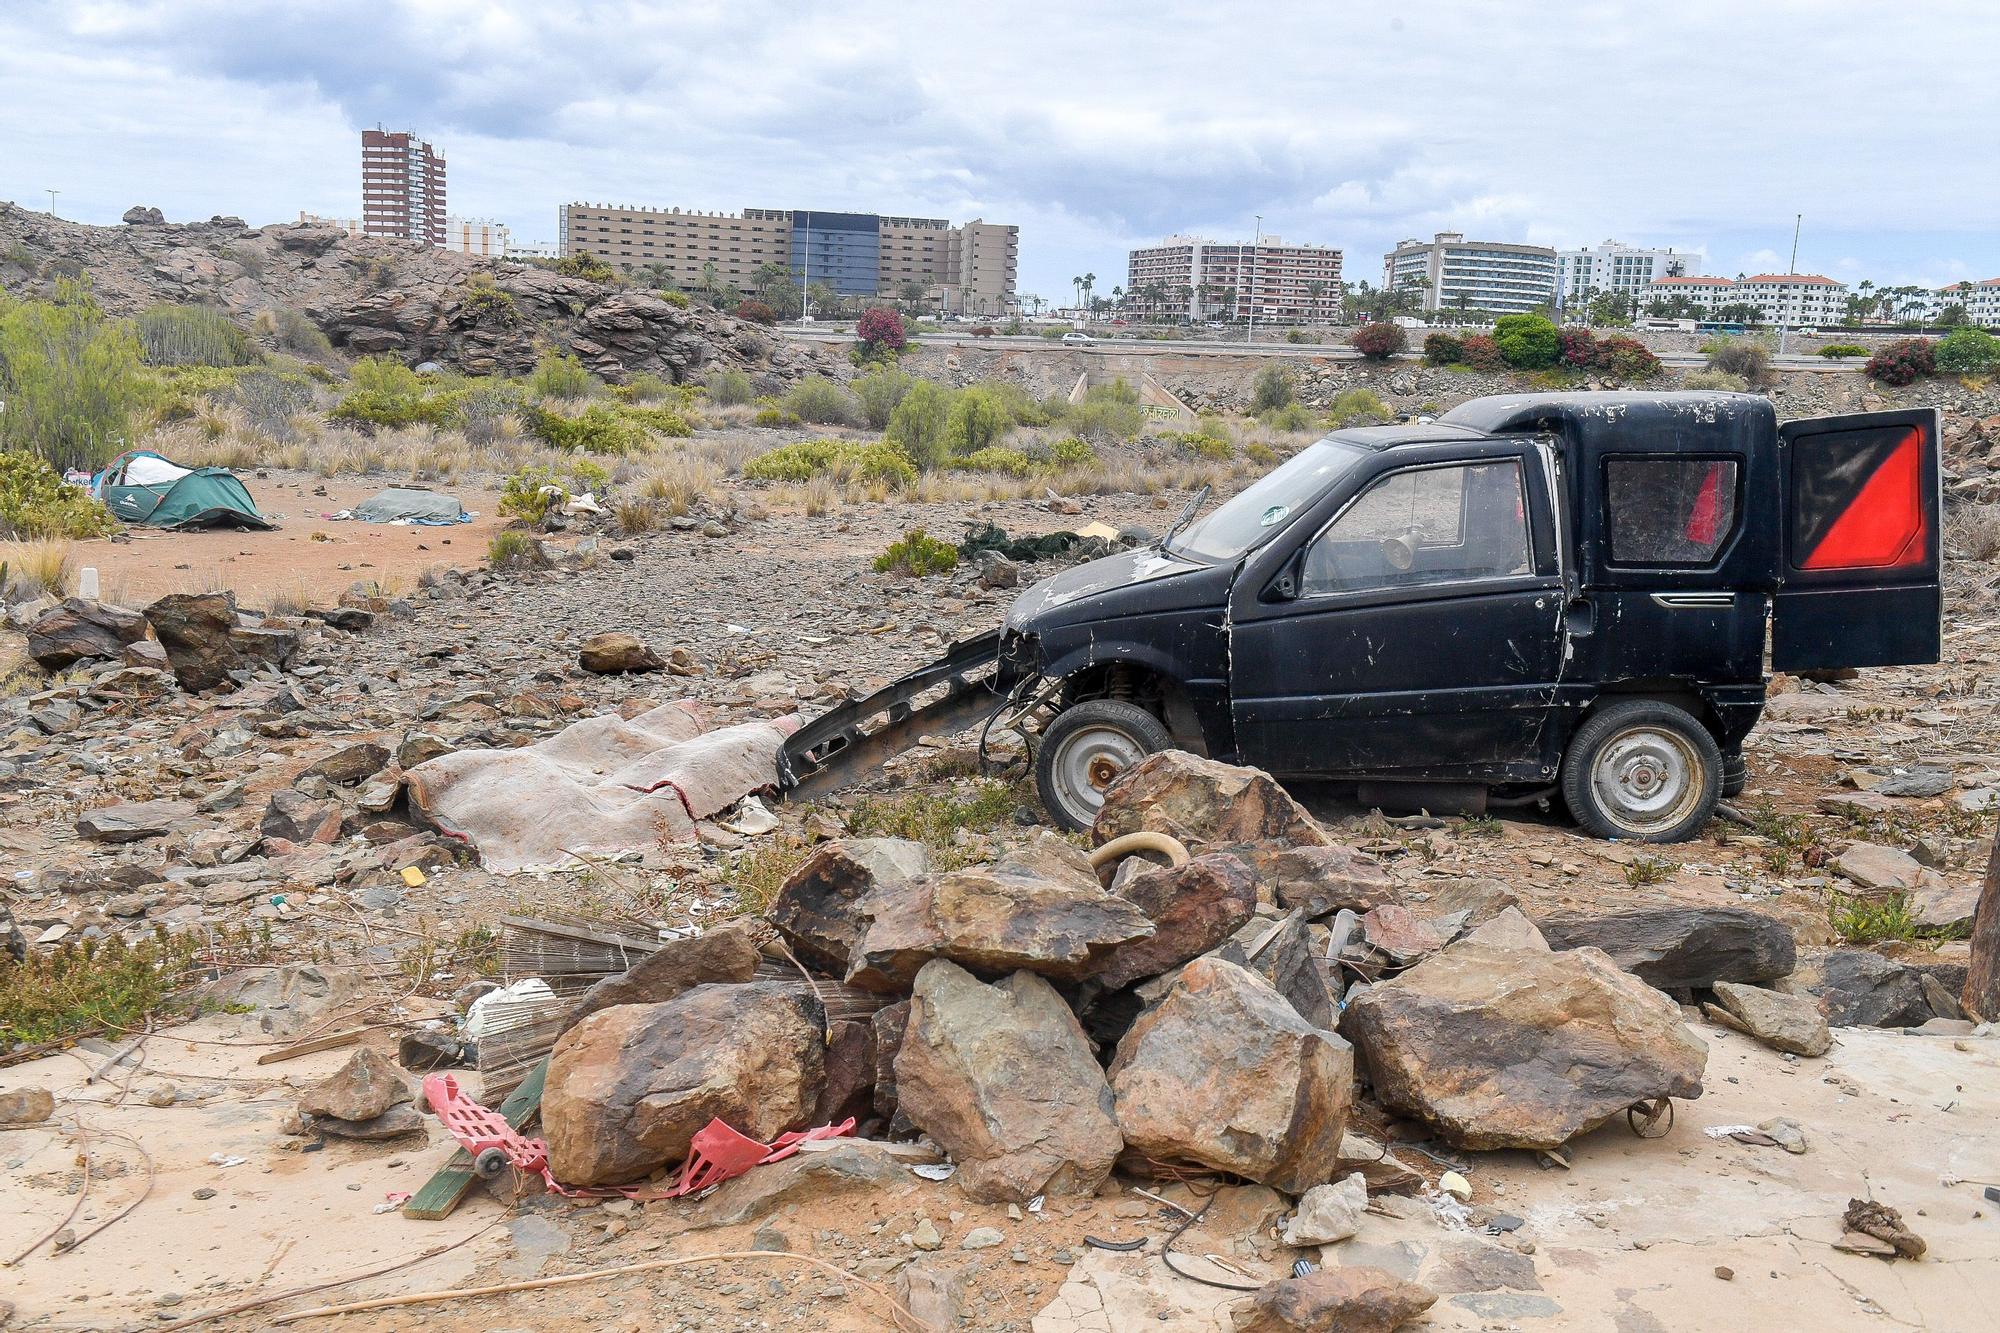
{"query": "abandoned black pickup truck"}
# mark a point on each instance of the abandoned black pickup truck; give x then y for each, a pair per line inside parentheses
(1532, 596)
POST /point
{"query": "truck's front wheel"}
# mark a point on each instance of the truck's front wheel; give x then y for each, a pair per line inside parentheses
(1084, 751)
(1643, 770)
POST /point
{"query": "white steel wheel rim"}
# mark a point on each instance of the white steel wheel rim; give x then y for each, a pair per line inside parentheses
(1086, 763)
(1646, 779)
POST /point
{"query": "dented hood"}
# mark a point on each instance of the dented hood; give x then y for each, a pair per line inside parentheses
(1144, 582)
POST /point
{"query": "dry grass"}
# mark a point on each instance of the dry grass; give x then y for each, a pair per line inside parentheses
(1975, 530)
(819, 496)
(293, 600)
(42, 565)
(636, 516)
(681, 481)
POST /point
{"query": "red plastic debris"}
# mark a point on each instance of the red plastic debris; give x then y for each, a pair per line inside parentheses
(715, 1154)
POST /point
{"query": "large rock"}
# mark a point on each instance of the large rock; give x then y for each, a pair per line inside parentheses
(1512, 1048)
(1321, 880)
(80, 629)
(205, 640)
(1328, 1214)
(1205, 804)
(725, 955)
(1941, 904)
(1192, 908)
(819, 908)
(1862, 989)
(1003, 1079)
(296, 817)
(351, 764)
(134, 820)
(629, 1086)
(1224, 1073)
(1783, 1022)
(1039, 908)
(1888, 869)
(1281, 953)
(1682, 948)
(362, 1089)
(616, 651)
(1334, 1300)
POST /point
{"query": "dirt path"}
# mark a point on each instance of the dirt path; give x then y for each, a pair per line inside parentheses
(308, 553)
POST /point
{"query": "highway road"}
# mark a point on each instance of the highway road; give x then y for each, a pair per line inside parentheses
(1226, 347)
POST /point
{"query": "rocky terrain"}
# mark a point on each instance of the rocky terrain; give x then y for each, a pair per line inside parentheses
(370, 295)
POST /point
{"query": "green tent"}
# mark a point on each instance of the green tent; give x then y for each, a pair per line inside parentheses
(143, 487)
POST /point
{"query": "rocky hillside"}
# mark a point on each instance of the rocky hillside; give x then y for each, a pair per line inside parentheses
(371, 295)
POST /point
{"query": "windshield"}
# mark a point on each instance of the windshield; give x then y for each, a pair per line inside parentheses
(1262, 509)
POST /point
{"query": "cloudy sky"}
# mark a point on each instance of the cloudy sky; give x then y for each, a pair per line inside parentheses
(1703, 124)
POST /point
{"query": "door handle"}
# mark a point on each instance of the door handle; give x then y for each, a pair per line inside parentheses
(1580, 618)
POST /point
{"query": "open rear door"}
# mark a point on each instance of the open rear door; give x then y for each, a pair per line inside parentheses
(1859, 569)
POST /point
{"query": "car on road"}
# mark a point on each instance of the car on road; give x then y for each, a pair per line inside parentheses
(1078, 339)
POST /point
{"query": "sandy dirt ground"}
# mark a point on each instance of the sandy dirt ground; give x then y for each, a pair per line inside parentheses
(1633, 1237)
(309, 553)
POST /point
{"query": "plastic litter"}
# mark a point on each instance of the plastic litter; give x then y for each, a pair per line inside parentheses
(476, 1018)
(934, 1170)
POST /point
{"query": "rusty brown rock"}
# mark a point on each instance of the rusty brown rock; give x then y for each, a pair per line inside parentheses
(363, 1088)
(1322, 880)
(888, 1026)
(1401, 934)
(1039, 908)
(1225, 1073)
(616, 651)
(629, 1086)
(1204, 803)
(205, 640)
(1193, 909)
(725, 955)
(850, 1074)
(1513, 1048)
(1334, 1300)
(1003, 1079)
(79, 629)
(818, 909)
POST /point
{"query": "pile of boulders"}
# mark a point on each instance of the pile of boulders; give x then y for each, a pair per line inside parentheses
(1044, 1022)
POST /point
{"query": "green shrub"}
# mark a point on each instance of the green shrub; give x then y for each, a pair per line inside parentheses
(678, 299)
(36, 502)
(1107, 410)
(1300, 336)
(484, 409)
(1070, 451)
(773, 416)
(1272, 389)
(487, 301)
(660, 420)
(598, 429)
(1482, 353)
(512, 548)
(1260, 453)
(1443, 349)
(995, 458)
(294, 333)
(1358, 407)
(1841, 351)
(1210, 439)
(526, 496)
(1749, 359)
(1292, 416)
(818, 400)
(1904, 361)
(560, 376)
(917, 426)
(727, 387)
(1627, 358)
(71, 379)
(191, 335)
(85, 987)
(1967, 351)
(1527, 342)
(978, 417)
(843, 460)
(918, 554)
(272, 399)
(1715, 379)
(384, 392)
(646, 387)
(879, 391)
(585, 265)
(1019, 405)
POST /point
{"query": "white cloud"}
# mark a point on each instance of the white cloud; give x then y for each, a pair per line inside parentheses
(1707, 126)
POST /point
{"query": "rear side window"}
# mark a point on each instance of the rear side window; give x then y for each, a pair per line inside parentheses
(1670, 511)
(1857, 500)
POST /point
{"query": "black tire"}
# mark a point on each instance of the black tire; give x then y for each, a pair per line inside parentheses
(1642, 770)
(1735, 774)
(1085, 749)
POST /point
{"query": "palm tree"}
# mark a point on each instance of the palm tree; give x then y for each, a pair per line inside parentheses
(1089, 282)
(1314, 291)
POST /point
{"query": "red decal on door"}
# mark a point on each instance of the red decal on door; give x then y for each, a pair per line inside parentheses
(1706, 515)
(1883, 526)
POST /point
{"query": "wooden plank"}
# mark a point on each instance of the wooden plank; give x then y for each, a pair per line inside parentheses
(566, 931)
(328, 1043)
(443, 1191)
(1981, 1000)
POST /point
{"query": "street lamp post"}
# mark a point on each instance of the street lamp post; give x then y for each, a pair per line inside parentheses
(52, 201)
(1250, 334)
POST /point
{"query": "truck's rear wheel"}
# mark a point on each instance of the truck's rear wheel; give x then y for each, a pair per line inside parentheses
(1085, 750)
(1642, 770)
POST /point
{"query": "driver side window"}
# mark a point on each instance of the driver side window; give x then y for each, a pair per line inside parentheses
(1422, 526)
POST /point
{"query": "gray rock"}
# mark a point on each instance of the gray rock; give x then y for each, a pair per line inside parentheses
(362, 1089)
(1328, 1213)
(1682, 948)
(1861, 988)
(1783, 1022)
(397, 1122)
(850, 1167)
(1876, 867)
(134, 821)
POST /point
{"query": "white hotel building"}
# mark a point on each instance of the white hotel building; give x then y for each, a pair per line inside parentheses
(1794, 300)
(1617, 267)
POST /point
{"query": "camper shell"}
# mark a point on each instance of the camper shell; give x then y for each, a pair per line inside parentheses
(1535, 596)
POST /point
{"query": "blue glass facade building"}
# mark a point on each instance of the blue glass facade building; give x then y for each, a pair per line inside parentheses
(842, 250)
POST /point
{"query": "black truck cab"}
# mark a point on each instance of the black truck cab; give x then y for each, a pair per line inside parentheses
(1534, 594)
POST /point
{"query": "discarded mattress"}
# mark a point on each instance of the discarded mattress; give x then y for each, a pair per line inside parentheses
(403, 504)
(142, 487)
(600, 786)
